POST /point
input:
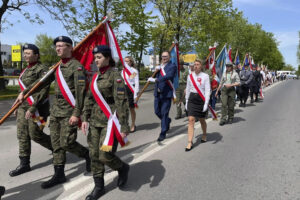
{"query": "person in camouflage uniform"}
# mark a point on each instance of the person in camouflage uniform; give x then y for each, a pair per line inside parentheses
(64, 119)
(229, 81)
(27, 127)
(112, 88)
(180, 90)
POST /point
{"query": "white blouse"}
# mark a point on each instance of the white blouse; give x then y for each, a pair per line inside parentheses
(134, 80)
(203, 83)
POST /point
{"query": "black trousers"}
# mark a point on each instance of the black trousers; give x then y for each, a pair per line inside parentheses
(244, 93)
(254, 89)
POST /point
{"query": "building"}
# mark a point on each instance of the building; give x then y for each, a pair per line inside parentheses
(5, 53)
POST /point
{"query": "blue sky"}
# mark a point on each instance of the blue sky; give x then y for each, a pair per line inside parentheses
(280, 17)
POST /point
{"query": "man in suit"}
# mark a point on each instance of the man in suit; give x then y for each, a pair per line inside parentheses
(163, 92)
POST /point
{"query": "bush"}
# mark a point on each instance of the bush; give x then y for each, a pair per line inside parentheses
(145, 74)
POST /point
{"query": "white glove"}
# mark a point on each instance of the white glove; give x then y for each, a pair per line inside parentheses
(151, 80)
(205, 107)
(186, 103)
(157, 67)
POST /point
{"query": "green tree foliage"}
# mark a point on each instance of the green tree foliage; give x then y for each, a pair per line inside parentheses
(48, 54)
(288, 68)
(138, 38)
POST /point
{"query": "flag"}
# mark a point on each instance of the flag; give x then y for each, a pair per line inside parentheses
(175, 60)
(250, 62)
(237, 60)
(229, 53)
(221, 62)
(210, 64)
(84, 53)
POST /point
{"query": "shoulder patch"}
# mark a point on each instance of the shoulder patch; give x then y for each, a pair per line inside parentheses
(119, 80)
(120, 91)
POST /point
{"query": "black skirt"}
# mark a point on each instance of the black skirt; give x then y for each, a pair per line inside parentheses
(195, 106)
(130, 97)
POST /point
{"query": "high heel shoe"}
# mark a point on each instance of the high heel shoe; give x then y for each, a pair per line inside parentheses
(132, 131)
(188, 149)
(203, 139)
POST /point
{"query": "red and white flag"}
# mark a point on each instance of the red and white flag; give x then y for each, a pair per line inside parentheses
(210, 64)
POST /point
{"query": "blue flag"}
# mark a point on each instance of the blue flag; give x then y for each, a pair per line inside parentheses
(175, 60)
(237, 60)
(221, 62)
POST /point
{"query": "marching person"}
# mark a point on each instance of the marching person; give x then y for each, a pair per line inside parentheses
(197, 100)
(246, 78)
(164, 92)
(229, 81)
(135, 82)
(255, 84)
(108, 84)
(180, 90)
(65, 111)
(32, 114)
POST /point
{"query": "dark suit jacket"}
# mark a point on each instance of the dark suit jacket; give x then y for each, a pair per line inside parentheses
(161, 82)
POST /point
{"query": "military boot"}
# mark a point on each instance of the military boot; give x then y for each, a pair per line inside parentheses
(87, 162)
(57, 178)
(2, 191)
(123, 175)
(98, 190)
(22, 168)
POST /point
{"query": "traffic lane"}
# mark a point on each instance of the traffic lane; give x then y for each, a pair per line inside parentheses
(252, 159)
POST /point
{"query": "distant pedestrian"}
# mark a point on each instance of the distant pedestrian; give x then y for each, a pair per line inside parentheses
(227, 85)
(197, 95)
(135, 83)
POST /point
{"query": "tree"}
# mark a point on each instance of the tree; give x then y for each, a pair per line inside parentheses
(7, 7)
(48, 54)
(138, 38)
(298, 51)
(288, 67)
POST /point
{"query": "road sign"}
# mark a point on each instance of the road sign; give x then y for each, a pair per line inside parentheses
(16, 53)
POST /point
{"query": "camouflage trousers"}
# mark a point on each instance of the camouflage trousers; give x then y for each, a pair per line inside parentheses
(63, 138)
(228, 103)
(29, 130)
(180, 99)
(100, 158)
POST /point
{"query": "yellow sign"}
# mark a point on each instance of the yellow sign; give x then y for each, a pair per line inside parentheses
(188, 58)
(16, 55)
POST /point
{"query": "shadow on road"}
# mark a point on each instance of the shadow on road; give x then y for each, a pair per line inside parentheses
(147, 126)
(147, 172)
(237, 111)
(214, 137)
(238, 119)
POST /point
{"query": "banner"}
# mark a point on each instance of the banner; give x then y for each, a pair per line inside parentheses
(175, 60)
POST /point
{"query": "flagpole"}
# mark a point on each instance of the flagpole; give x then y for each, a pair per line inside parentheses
(244, 60)
(237, 51)
(221, 51)
(52, 69)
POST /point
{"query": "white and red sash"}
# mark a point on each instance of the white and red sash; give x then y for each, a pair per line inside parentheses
(36, 116)
(113, 125)
(163, 73)
(64, 88)
(215, 117)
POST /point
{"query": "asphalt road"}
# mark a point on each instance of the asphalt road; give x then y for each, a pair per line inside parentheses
(257, 157)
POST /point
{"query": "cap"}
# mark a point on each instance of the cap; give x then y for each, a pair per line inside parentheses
(102, 49)
(65, 39)
(32, 47)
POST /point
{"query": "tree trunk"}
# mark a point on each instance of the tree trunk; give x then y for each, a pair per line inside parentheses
(2, 82)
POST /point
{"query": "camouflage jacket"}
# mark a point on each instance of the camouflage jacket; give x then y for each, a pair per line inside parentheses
(30, 77)
(183, 77)
(74, 75)
(112, 88)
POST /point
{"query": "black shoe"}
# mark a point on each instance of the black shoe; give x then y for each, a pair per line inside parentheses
(2, 191)
(87, 162)
(188, 149)
(58, 177)
(161, 138)
(221, 123)
(123, 175)
(22, 168)
(229, 121)
(256, 100)
(98, 190)
(252, 101)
